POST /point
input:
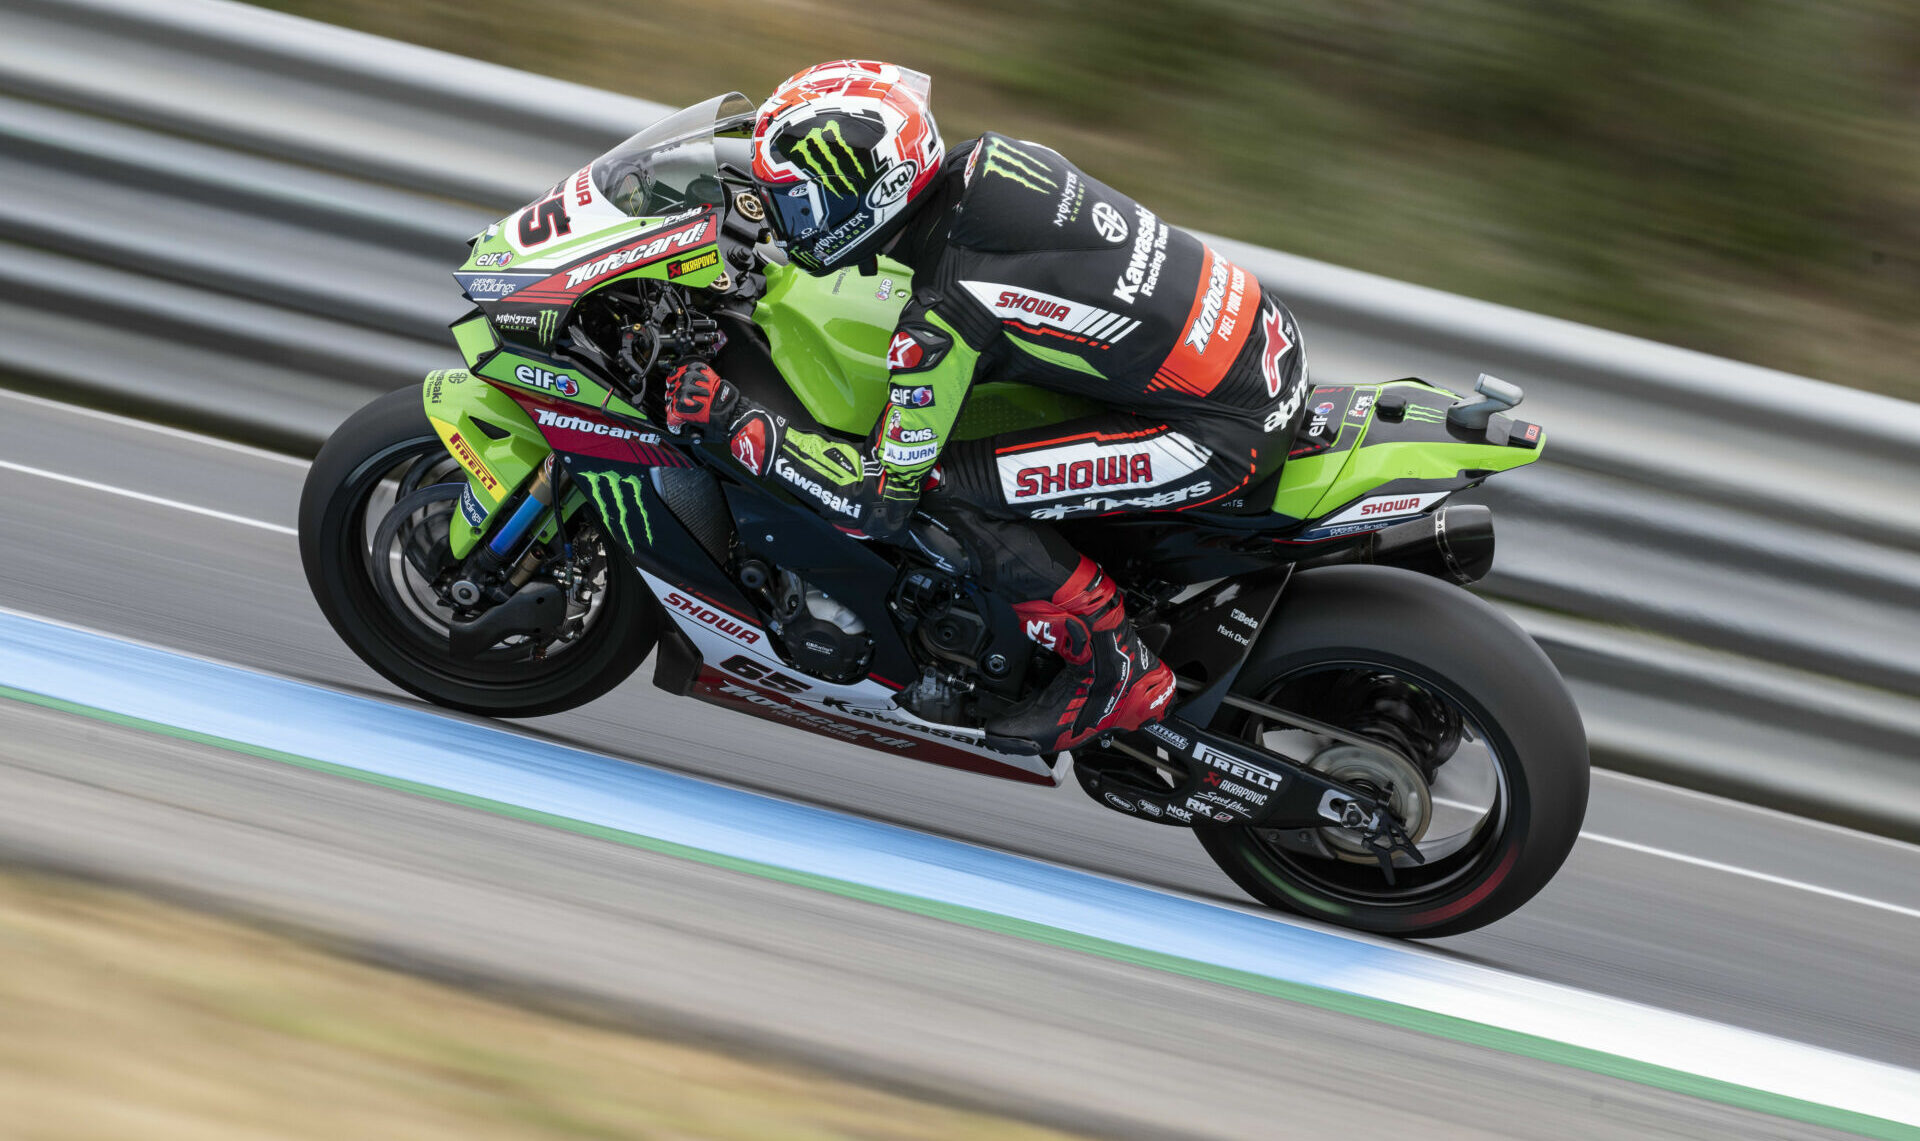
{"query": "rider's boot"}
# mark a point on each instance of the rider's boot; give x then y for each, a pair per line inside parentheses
(1111, 680)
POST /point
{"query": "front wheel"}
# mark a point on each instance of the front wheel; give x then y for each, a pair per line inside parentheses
(1461, 692)
(373, 539)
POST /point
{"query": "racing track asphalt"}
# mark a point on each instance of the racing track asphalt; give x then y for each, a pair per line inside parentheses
(1673, 899)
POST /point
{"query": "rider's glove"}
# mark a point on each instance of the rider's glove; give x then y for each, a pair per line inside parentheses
(697, 396)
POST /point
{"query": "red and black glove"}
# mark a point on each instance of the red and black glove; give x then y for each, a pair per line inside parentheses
(697, 396)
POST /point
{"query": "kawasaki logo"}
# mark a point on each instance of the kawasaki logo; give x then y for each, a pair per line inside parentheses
(606, 487)
(1143, 264)
(841, 504)
(1015, 165)
(821, 150)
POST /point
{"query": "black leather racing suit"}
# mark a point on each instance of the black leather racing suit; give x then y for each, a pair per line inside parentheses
(1026, 270)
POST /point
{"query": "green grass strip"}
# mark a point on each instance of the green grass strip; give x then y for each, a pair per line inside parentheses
(1358, 1006)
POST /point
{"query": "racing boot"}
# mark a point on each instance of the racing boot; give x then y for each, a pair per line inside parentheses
(1111, 680)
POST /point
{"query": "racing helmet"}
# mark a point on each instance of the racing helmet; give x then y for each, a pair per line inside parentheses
(841, 151)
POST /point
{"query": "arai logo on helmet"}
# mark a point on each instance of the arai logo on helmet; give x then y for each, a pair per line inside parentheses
(892, 186)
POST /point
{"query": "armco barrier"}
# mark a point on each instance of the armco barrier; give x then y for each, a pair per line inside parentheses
(226, 216)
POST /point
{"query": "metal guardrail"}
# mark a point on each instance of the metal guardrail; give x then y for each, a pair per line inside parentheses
(231, 217)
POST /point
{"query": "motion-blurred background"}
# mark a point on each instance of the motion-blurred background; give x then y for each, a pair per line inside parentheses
(1736, 176)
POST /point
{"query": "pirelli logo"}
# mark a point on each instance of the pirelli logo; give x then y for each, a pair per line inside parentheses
(471, 460)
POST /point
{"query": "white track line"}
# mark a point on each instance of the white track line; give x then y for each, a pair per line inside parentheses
(148, 426)
(1644, 849)
(1749, 873)
(143, 497)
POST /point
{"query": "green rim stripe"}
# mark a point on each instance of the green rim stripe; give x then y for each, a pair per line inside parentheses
(1374, 1010)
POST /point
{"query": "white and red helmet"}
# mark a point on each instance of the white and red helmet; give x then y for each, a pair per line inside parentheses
(841, 152)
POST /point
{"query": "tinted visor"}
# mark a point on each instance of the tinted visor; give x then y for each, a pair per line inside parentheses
(820, 230)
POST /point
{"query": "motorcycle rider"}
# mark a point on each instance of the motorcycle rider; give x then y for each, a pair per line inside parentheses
(1024, 270)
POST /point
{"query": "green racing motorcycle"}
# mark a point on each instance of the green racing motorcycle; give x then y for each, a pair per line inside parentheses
(1357, 739)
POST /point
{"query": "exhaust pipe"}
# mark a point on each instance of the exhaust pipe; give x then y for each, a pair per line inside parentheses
(1454, 543)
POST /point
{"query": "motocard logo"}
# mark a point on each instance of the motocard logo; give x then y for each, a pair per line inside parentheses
(708, 616)
(1277, 346)
(558, 382)
(638, 254)
(1043, 310)
(1226, 291)
(1386, 507)
(893, 185)
(565, 423)
(1039, 474)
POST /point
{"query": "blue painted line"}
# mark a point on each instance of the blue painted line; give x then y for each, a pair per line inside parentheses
(484, 761)
(480, 760)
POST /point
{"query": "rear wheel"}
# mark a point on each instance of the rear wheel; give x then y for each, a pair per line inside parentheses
(1494, 785)
(373, 539)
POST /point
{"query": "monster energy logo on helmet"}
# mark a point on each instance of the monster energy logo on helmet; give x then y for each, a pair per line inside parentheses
(822, 150)
(605, 487)
(1010, 162)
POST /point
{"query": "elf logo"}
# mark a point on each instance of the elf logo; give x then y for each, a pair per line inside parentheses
(558, 382)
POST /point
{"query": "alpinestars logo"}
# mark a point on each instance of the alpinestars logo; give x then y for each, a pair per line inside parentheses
(821, 149)
(1273, 327)
(1015, 165)
(605, 487)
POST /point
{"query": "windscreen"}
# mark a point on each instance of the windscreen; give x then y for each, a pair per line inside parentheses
(675, 163)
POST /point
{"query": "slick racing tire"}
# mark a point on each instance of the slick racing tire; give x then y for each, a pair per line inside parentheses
(339, 507)
(1451, 683)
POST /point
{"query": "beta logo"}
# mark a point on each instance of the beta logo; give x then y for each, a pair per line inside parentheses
(558, 382)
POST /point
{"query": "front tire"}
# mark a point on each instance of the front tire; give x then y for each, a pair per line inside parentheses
(389, 445)
(1474, 692)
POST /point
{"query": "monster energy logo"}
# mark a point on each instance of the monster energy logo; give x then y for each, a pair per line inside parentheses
(1421, 412)
(1010, 162)
(549, 318)
(818, 147)
(605, 486)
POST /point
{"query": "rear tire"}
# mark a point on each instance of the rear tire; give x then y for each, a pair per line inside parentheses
(1450, 643)
(373, 443)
